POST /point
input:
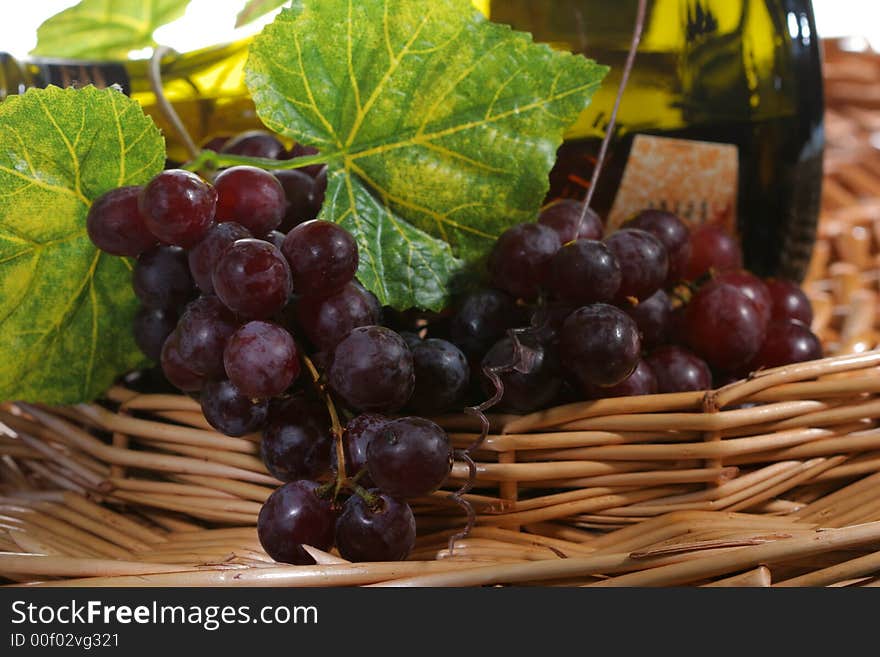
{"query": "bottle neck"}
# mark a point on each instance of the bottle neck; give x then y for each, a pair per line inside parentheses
(16, 76)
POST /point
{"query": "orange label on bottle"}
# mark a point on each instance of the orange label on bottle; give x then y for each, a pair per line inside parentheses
(697, 180)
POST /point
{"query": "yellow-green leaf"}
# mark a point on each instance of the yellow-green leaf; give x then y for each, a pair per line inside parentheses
(105, 29)
(65, 307)
(448, 121)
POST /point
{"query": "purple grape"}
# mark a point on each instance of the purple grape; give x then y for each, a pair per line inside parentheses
(203, 258)
(673, 233)
(251, 197)
(252, 278)
(323, 258)
(161, 279)
(151, 328)
(203, 331)
(261, 359)
(297, 441)
(788, 301)
(564, 216)
(178, 207)
(292, 516)
(753, 287)
(116, 226)
(385, 531)
(300, 198)
(641, 382)
(533, 382)
(712, 248)
(410, 457)
(653, 316)
(325, 321)
(599, 345)
(643, 261)
(442, 375)
(255, 143)
(359, 433)
(175, 369)
(519, 263)
(584, 271)
(679, 370)
(229, 410)
(788, 341)
(482, 319)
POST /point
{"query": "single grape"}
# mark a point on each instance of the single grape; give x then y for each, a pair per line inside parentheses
(653, 316)
(203, 331)
(161, 278)
(564, 216)
(251, 197)
(371, 369)
(325, 321)
(359, 433)
(383, 531)
(295, 515)
(229, 410)
(442, 375)
(151, 328)
(253, 279)
(599, 345)
(275, 238)
(261, 359)
(753, 287)
(482, 319)
(255, 143)
(673, 233)
(531, 383)
(519, 262)
(204, 256)
(299, 193)
(116, 226)
(712, 248)
(788, 301)
(410, 457)
(323, 257)
(723, 326)
(679, 370)
(644, 263)
(641, 382)
(788, 341)
(297, 440)
(178, 207)
(177, 370)
(584, 271)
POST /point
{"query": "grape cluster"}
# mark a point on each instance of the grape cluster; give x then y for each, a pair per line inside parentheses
(242, 289)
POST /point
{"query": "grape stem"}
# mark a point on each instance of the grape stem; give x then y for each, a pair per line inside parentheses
(335, 427)
(214, 160)
(155, 76)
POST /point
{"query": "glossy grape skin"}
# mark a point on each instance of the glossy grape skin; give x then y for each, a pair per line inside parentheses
(261, 358)
(564, 216)
(482, 319)
(653, 316)
(203, 331)
(300, 195)
(323, 258)
(203, 257)
(178, 207)
(255, 143)
(297, 441)
(325, 321)
(723, 326)
(673, 233)
(599, 345)
(712, 248)
(275, 238)
(151, 328)
(583, 272)
(519, 263)
(642, 381)
(753, 287)
(175, 369)
(442, 374)
(252, 278)
(410, 457)
(161, 279)
(644, 263)
(371, 369)
(788, 341)
(788, 301)
(229, 410)
(251, 197)
(384, 532)
(292, 516)
(679, 370)
(524, 391)
(356, 438)
(116, 226)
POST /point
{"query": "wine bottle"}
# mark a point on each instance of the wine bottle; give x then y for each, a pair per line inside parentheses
(742, 75)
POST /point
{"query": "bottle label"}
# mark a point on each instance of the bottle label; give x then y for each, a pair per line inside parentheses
(695, 180)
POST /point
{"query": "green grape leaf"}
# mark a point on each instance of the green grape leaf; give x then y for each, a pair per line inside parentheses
(65, 307)
(105, 29)
(254, 9)
(439, 127)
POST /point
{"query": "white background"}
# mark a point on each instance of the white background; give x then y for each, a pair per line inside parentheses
(211, 21)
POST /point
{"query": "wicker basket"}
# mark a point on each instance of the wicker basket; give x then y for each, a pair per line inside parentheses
(775, 479)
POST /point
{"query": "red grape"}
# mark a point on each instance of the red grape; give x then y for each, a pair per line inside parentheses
(178, 207)
(584, 271)
(175, 369)
(292, 516)
(643, 262)
(788, 301)
(300, 197)
(599, 345)
(641, 382)
(253, 279)
(297, 440)
(205, 255)
(151, 328)
(261, 359)
(788, 341)
(653, 316)
(116, 225)
(385, 531)
(673, 233)
(679, 370)
(410, 457)
(251, 197)
(255, 143)
(325, 321)
(519, 262)
(359, 433)
(531, 383)
(564, 216)
(712, 248)
(229, 410)
(323, 258)
(203, 331)
(753, 287)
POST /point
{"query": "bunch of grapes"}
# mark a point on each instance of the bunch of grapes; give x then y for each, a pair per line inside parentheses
(251, 304)
(243, 291)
